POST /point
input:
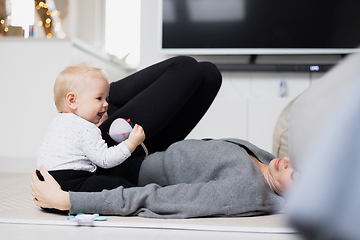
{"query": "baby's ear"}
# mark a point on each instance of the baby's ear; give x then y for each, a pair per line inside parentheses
(71, 100)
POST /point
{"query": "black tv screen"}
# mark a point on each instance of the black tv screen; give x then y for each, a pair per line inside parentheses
(260, 26)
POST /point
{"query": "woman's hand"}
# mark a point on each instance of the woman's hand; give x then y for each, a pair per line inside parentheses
(48, 193)
(136, 137)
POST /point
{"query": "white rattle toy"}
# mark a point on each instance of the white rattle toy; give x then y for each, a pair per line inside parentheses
(120, 130)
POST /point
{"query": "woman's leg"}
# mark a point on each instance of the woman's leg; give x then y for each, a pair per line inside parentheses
(191, 112)
(97, 183)
(167, 99)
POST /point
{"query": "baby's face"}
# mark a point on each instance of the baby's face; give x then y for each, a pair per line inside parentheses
(91, 100)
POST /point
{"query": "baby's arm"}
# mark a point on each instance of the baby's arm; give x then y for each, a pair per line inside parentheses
(98, 152)
(136, 137)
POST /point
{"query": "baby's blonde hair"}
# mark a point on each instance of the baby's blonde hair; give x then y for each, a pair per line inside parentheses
(71, 79)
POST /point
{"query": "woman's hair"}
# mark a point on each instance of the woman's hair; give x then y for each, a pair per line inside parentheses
(72, 79)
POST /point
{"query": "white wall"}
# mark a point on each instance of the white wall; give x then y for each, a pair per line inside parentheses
(28, 71)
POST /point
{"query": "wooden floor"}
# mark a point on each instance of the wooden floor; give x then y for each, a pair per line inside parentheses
(21, 219)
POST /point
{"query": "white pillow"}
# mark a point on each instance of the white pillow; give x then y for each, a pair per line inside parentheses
(313, 105)
(281, 132)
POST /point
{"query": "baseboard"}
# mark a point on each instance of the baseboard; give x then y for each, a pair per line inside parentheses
(17, 164)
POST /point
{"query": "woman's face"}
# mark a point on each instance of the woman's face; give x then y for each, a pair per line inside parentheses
(281, 174)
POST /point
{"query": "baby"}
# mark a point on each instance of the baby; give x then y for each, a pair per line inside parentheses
(73, 147)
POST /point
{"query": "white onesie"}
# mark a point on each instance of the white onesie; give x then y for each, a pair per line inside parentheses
(73, 143)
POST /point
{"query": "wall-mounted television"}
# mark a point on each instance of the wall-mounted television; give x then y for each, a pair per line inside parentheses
(260, 26)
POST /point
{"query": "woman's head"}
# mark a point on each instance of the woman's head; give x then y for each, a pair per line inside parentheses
(281, 175)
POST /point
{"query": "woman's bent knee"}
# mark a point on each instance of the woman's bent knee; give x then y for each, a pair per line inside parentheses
(211, 74)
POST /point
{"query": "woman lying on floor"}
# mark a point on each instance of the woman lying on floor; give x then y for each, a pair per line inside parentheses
(179, 178)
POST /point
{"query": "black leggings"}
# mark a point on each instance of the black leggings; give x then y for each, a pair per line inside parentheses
(167, 99)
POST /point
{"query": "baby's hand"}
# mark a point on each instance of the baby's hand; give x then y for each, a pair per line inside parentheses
(136, 137)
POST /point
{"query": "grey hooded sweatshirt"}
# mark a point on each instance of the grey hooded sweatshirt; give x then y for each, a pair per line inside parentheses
(192, 178)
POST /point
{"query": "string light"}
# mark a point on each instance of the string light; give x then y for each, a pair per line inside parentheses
(50, 18)
(55, 13)
(57, 27)
(46, 20)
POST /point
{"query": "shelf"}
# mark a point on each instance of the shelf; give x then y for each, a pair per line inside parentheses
(275, 67)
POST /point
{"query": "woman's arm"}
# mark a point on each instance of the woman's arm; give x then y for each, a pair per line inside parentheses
(229, 197)
(47, 193)
(176, 201)
(203, 199)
